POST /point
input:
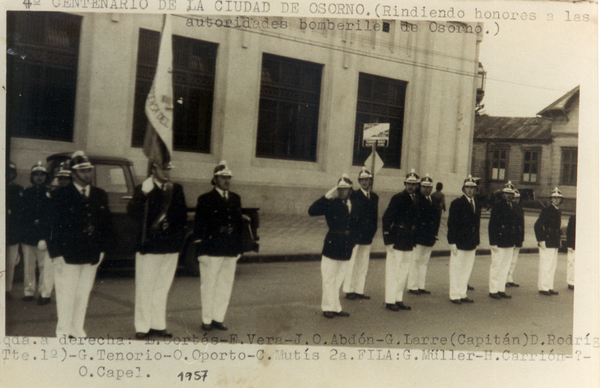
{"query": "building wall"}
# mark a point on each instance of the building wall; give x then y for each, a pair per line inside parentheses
(438, 122)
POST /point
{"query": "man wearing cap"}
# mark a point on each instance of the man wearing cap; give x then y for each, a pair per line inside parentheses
(340, 213)
(81, 223)
(35, 232)
(571, 253)
(218, 235)
(366, 203)
(547, 233)
(502, 231)
(520, 237)
(399, 225)
(14, 197)
(158, 206)
(463, 236)
(428, 226)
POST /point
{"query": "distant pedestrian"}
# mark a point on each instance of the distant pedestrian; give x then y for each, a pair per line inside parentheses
(439, 197)
(571, 253)
(158, 206)
(340, 213)
(366, 203)
(547, 233)
(520, 237)
(463, 236)
(218, 235)
(400, 224)
(14, 209)
(425, 237)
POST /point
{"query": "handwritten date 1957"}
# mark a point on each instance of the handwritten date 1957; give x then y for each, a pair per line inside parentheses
(199, 375)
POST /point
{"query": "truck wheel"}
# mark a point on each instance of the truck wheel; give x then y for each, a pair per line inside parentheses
(189, 260)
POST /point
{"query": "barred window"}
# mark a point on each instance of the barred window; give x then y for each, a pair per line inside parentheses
(42, 59)
(194, 63)
(531, 161)
(288, 118)
(380, 100)
(499, 163)
(568, 173)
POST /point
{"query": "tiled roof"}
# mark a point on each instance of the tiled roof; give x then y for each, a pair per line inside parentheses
(506, 128)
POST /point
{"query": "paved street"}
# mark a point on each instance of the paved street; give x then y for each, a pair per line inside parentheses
(282, 299)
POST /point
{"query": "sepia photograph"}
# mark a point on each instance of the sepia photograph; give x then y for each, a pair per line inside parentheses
(240, 193)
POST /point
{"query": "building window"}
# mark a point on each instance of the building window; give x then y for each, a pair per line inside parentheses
(193, 89)
(380, 100)
(568, 174)
(531, 159)
(42, 59)
(499, 163)
(288, 118)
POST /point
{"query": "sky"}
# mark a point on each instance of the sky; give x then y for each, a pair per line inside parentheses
(531, 64)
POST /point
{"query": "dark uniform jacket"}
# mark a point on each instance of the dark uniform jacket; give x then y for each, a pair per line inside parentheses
(502, 227)
(429, 221)
(399, 221)
(571, 232)
(35, 220)
(463, 224)
(218, 224)
(547, 227)
(14, 210)
(366, 213)
(164, 230)
(343, 226)
(520, 215)
(80, 225)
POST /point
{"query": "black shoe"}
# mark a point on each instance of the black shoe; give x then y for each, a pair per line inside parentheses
(402, 306)
(467, 300)
(28, 298)
(43, 301)
(424, 291)
(392, 306)
(495, 295)
(456, 301)
(350, 295)
(218, 325)
(342, 314)
(511, 284)
(504, 295)
(470, 288)
(328, 314)
(362, 296)
(545, 293)
(140, 335)
(571, 287)
(206, 327)
(161, 333)
(552, 292)
(415, 292)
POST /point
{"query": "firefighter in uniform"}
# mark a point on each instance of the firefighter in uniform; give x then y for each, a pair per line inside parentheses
(340, 213)
(81, 223)
(547, 233)
(463, 236)
(520, 237)
(218, 235)
(571, 253)
(366, 203)
(503, 238)
(35, 232)
(14, 197)
(158, 206)
(428, 225)
(399, 224)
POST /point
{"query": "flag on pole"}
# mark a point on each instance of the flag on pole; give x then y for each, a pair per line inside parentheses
(158, 141)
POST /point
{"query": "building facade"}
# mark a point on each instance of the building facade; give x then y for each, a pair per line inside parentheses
(282, 100)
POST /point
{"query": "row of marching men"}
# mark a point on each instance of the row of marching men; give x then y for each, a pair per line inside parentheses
(63, 229)
(410, 227)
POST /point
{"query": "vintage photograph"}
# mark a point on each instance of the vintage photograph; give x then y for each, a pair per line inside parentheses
(205, 187)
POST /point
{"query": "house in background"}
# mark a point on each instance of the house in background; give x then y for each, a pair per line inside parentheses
(535, 153)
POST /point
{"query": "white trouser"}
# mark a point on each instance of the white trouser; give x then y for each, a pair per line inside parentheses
(397, 264)
(216, 282)
(153, 278)
(73, 284)
(356, 273)
(460, 268)
(32, 258)
(333, 273)
(513, 264)
(499, 267)
(571, 266)
(12, 259)
(418, 270)
(547, 268)
(47, 277)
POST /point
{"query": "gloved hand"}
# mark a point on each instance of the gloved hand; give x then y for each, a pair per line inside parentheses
(148, 185)
(542, 244)
(331, 193)
(42, 246)
(453, 249)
